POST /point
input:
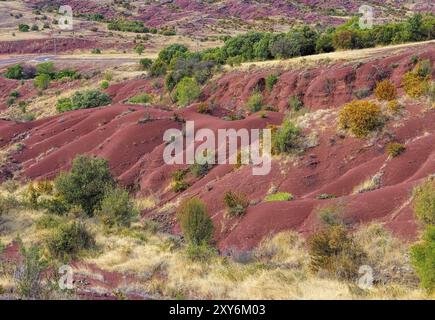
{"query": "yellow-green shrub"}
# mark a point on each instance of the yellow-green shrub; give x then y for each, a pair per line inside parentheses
(394, 149)
(333, 251)
(416, 82)
(424, 201)
(385, 90)
(360, 117)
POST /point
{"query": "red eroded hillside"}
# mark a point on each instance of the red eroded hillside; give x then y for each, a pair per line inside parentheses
(130, 137)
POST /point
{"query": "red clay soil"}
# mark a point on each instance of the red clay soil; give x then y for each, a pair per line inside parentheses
(130, 137)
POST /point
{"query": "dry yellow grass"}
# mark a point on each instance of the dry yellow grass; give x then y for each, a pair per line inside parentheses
(277, 269)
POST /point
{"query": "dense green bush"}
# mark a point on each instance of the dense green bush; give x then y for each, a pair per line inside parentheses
(255, 102)
(178, 181)
(20, 72)
(194, 221)
(424, 201)
(46, 68)
(86, 183)
(187, 91)
(142, 98)
(423, 259)
(83, 100)
(127, 26)
(117, 209)
(286, 138)
(236, 203)
(295, 103)
(23, 27)
(42, 81)
(271, 80)
(145, 63)
(104, 84)
(68, 240)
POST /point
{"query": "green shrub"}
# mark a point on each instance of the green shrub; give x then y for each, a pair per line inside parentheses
(360, 117)
(325, 196)
(271, 80)
(286, 138)
(46, 68)
(280, 196)
(255, 102)
(330, 215)
(195, 223)
(385, 90)
(104, 84)
(139, 49)
(416, 82)
(236, 203)
(187, 91)
(333, 251)
(295, 103)
(178, 182)
(362, 93)
(158, 68)
(28, 276)
(201, 252)
(86, 183)
(142, 98)
(83, 100)
(42, 81)
(117, 209)
(64, 104)
(69, 240)
(96, 51)
(395, 149)
(56, 206)
(424, 201)
(145, 63)
(431, 94)
(14, 72)
(14, 94)
(23, 27)
(423, 259)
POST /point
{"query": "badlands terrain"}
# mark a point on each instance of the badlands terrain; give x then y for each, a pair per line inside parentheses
(376, 186)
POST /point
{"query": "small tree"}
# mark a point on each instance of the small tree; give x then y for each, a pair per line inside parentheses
(68, 240)
(271, 80)
(187, 91)
(194, 221)
(42, 81)
(424, 201)
(117, 209)
(139, 49)
(286, 138)
(86, 184)
(46, 68)
(146, 63)
(423, 259)
(23, 27)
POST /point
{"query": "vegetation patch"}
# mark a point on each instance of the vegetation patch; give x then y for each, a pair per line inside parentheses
(360, 117)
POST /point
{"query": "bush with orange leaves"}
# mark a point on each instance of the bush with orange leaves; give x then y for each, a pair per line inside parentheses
(360, 117)
(385, 90)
